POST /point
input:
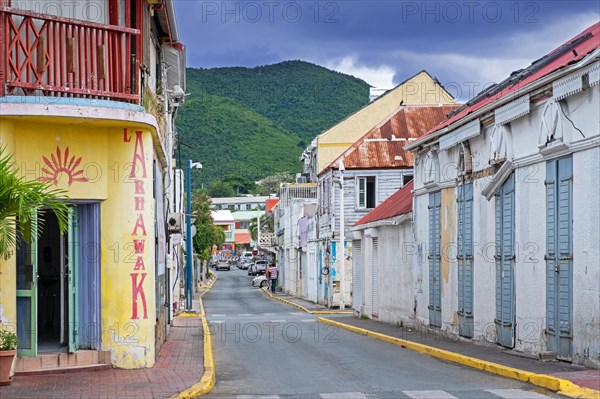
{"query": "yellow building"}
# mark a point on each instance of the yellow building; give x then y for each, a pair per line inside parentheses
(88, 107)
(420, 89)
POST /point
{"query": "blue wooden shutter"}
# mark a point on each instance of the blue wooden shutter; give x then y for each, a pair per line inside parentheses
(435, 302)
(551, 252)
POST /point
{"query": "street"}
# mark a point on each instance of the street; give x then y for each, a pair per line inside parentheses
(265, 349)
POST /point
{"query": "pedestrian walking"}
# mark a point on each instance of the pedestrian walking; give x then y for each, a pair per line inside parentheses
(271, 275)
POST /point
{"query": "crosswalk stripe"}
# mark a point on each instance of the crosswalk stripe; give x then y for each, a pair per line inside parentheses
(278, 321)
(245, 314)
(344, 395)
(429, 395)
(517, 394)
(307, 320)
(218, 315)
(258, 397)
(217, 321)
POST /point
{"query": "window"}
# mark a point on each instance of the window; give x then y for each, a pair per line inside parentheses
(366, 192)
(406, 179)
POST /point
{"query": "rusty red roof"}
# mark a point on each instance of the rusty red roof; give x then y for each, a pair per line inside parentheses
(382, 146)
(572, 51)
(397, 204)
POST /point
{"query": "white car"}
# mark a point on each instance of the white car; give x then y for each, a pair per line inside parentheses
(260, 281)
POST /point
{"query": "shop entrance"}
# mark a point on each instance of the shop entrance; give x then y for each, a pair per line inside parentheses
(58, 284)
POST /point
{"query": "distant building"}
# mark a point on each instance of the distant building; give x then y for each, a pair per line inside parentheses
(248, 203)
(224, 219)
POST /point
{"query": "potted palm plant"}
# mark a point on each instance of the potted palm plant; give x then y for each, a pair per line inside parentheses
(8, 350)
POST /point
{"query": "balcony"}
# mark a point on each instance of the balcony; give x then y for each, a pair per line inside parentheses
(44, 55)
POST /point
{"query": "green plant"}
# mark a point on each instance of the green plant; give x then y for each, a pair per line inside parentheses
(8, 340)
(364, 316)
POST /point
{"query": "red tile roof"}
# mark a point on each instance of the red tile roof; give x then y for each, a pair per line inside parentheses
(397, 204)
(382, 146)
(572, 51)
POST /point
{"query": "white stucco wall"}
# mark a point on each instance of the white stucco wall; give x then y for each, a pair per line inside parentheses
(529, 164)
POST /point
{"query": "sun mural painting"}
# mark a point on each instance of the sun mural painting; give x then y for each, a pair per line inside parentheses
(59, 164)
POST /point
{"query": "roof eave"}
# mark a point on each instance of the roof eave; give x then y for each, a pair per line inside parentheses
(504, 100)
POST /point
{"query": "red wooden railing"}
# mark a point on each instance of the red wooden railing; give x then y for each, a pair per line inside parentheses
(53, 56)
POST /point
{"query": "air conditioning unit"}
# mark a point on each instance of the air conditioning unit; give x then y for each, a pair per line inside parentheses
(175, 222)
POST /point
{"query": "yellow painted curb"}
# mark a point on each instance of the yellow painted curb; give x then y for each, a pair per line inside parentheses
(290, 303)
(208, 380)
(559, 385)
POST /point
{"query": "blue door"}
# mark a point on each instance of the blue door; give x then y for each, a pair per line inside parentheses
(434, 257)
(505, 264)
(559, 257)
(464, 199)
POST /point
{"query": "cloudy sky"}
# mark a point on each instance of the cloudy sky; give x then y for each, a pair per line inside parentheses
(465, 44)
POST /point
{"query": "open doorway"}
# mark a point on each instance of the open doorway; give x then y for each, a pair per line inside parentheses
(58, 284)
(51, 297)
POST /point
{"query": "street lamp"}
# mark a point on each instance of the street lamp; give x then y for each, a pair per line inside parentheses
(342, 254)
(188, 232)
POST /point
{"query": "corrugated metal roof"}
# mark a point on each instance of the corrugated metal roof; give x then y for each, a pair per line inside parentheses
(397, 204)
(572, 51)
(382, 146)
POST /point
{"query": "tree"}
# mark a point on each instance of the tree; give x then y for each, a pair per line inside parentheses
(240, 184)
(23, 200)
(272, 183)
(220, 189)
(207, 234)
(266, 224)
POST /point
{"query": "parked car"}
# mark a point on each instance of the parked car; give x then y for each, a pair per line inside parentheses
(260, 281)
(223, 264)
(259, 267)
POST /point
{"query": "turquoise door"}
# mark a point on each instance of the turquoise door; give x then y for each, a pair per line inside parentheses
(27, 295)
(72, 285)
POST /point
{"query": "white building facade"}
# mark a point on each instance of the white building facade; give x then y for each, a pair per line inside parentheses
(506, 210)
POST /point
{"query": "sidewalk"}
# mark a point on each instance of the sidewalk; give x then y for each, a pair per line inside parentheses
(303, 304)
(179, 366)
(475, 355)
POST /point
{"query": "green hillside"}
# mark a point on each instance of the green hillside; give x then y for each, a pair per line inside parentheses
(255, 122)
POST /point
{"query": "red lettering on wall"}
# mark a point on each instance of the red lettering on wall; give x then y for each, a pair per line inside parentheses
(139, 203)
(138, 245)
(139, 187)
(138, 155)
(126, 138)
(139, 224)
(139, 263)
(137, 289)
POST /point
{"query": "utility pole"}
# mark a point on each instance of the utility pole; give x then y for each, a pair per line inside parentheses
(189, 263)
(342, 250)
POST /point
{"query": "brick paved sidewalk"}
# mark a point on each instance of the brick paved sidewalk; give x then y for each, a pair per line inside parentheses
(179, 366)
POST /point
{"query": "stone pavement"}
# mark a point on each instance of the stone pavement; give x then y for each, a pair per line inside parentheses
(179, 366)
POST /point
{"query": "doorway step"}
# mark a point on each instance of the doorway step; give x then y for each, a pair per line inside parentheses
(52, 363)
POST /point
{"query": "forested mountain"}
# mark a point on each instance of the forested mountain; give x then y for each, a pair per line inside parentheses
(255, 122)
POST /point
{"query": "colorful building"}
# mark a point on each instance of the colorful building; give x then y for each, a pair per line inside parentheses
(87, 104)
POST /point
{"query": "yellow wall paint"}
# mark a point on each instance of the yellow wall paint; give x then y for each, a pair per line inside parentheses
(418, 90)
(448, 232)
(107, 154)
(130, 340)
(8, 283)
(69, 151)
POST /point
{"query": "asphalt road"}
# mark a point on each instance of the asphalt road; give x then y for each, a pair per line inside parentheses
(265, 349)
